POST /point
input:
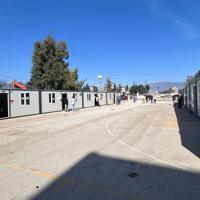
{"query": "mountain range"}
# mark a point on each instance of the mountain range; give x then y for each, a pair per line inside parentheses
(165, 86)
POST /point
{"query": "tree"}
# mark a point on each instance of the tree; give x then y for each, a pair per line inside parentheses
(108, 84)
(95, 88)
(71, 79)
(141, 89)
(127, 88)
(114, 88)
(49, 64)
(86, 88)
(134, 89)
(197, 75)
(147, 87)
(190, 80)
(119, 88)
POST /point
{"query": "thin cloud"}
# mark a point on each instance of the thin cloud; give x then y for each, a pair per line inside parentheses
(187, 29)
(158, 8)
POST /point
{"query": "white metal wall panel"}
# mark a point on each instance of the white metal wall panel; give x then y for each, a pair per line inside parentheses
(17, 109)
(188, 96)
(50, 106)
(111, 98)
(78, 97)
(102, 98)
(192, 97)
(89, 102)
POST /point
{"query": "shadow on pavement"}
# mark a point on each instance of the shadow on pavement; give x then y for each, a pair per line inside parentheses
(189, 128)
(98, 177)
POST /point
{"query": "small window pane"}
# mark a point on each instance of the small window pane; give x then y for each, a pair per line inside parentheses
(22, 101)
(27, 95)
(49, 97)
(27, 102)
(53, 97)
(22, 95)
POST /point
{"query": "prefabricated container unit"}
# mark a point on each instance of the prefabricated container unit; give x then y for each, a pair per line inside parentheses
(24, 102)
(192, 90)
(102, 98)
(88, 99)
(198, 98)
(78, 99)
(4, 104)
(51, 101)
(185, 97)
(188, 97)
(111, 98)
(16, 103)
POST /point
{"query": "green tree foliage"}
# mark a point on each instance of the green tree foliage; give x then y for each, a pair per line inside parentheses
(141, 89)
(114, 88)
(95, 89)
(1, 84)
(197, 75)
(71, 81)
(49, 64)
(108, 84)
(119, 88)
(86, 88)
(147, 88)
(190, 80)
(193, 79)
(134, 89)
(127, 88)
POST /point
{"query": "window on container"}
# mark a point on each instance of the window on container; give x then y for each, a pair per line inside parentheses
(49, 97)
(22, 99)
(88, 97)
(53, 98)
(27, 99)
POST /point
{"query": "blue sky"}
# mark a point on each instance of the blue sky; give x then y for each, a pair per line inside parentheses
(129, 40)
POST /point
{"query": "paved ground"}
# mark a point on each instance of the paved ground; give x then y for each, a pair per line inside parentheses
(126, 152)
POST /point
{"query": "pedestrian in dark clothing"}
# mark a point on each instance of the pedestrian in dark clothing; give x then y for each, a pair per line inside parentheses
(96, 100)
(180, 101)
(66, 104)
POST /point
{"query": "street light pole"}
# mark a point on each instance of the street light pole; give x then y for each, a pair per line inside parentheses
(100, 78)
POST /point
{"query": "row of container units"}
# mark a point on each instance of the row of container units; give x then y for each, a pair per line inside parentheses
(16, 103)
(192, 97)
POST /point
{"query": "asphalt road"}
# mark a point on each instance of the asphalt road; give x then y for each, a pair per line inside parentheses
(126, 152)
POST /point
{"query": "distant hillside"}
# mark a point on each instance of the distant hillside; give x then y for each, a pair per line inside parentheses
(165, 85)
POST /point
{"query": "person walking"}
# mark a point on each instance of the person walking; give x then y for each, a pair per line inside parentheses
(180, 101)
(73, 102)
(66, 104)
(96, 100)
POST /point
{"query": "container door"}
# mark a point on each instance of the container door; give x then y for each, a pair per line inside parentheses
(63, 101)
(3, 105)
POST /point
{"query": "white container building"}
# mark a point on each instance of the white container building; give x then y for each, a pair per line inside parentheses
(24, 102)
